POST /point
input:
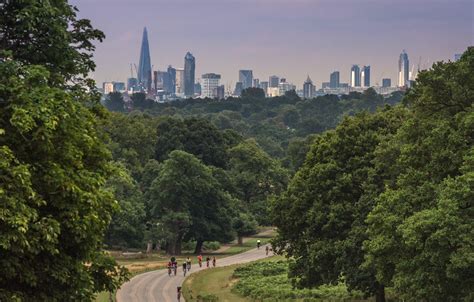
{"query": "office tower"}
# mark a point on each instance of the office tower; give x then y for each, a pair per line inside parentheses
(161, 80)
(284, 86)
(179, 81)
(219, 92)
(144, 67)
(197, 89)
(273, 81)
(334, 79)
(457, 56)
(210, 81)
(256, 83)
(239, 86)
(264, 86)
(365, 76)
(325, 85)
(119, 86)
(131, 84)
(246, 78)
(403, 70)
(386, 83)
(355, 76)
(308, 88)
(108, 87)
(171, 85)
(189, 74)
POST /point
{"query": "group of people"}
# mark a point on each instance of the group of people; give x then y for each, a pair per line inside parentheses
(173, 264)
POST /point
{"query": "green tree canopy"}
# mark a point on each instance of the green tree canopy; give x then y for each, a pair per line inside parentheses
(189, 202)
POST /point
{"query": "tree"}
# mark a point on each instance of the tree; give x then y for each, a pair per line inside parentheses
(48, 33)
(127, 228)
(115, 102)
(244, 225)
(321, 217)
(196, 136)
(256, 176)
(189, 202)
(53, 207)
(53, 167)
(420, 231)
(140, 102)
(253, 93)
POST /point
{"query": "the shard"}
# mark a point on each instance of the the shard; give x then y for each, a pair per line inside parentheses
(144, 67)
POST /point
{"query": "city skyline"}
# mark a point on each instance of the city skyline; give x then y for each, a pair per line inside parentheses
(333, 45)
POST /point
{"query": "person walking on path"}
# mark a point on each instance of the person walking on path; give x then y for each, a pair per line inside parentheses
(267, 249)
(214, 261)
(207, 261)
(200, 260)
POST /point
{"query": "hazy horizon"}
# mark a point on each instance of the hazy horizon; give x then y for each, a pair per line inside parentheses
(291, 39)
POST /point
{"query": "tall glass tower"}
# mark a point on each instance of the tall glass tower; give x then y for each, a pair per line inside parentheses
(403, 69)
(365, 76)
(144, 67)
(189, 74)
(355, 76)
(246, 78)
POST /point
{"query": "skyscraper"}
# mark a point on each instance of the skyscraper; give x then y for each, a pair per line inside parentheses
(308, 88)
(403, 69)
(365, 76)
(246, 78)
(171, 84)
(386, 82)
(334, 79)
(189, 72)
(273, 81)
(144, 67)
(179, 81)
(355, 76)
(210, 81)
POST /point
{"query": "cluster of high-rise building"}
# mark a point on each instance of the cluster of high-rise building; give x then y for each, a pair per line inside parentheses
(177, 83)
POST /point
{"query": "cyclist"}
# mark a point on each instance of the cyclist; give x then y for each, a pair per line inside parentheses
(207, 261)
(188, 264)
(170, 265)
(214, 261)
(175, 267)
(258, 244)
(184, 268)
(179, 293)
(200, 260)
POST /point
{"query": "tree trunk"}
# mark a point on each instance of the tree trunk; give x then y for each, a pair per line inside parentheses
(380, 294)
(149, 247)
(198, 249)
(240, 239)
(171, 247)
(178, 244)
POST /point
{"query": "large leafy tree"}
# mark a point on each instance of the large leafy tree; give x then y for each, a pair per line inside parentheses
(196, 136)
(321, 217)
(420, 232)
(189, 202)
(255, 177)
(53, 166)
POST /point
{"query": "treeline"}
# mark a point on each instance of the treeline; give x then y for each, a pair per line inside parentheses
(275, 123)
(386, 199)
(185, 180)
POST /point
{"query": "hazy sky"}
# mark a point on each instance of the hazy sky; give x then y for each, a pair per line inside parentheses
(288, 38)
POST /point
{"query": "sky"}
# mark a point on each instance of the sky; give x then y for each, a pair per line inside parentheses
(288, 38)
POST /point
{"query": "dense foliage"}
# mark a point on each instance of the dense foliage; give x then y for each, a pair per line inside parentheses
(386, 199)
(268, 281)
(54, 207)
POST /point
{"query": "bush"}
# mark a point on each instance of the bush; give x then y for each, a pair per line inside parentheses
(268, 281)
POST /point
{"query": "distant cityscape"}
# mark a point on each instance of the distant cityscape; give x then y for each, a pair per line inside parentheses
(180, 83)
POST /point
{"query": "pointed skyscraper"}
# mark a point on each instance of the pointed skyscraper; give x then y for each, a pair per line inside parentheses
(189, 74)
(144, 67)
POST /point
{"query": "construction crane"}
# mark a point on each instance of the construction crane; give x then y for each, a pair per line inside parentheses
(131, 70)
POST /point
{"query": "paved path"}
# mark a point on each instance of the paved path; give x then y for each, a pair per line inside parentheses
(157, 286)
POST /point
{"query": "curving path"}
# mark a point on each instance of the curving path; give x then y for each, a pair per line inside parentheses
(157, 286)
